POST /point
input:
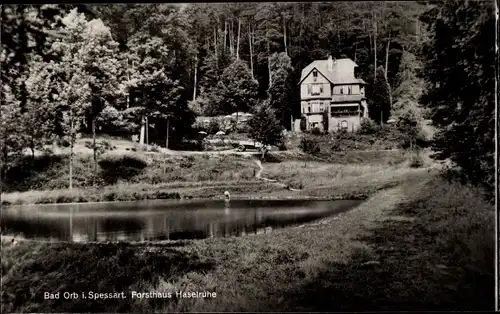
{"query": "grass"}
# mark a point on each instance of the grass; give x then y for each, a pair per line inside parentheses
(52, 172)
(424, 244)
(140, 176)
(135, 192)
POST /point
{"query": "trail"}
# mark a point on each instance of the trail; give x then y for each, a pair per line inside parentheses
(258, 175)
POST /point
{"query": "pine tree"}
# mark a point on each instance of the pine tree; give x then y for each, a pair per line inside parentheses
(281, 91)
(380, 100)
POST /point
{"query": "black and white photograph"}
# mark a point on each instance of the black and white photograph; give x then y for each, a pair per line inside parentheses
(336, 156)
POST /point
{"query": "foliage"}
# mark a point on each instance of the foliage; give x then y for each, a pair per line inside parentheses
(369, 127)
(213, 127)
(380, 98)
(114, 168)
(237, 90)
(303, 123)
(282, 87)
(325, 121)
(264, 127)
(461, 76)
(309, 145)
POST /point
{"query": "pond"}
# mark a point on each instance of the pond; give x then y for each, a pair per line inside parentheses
(162, 219)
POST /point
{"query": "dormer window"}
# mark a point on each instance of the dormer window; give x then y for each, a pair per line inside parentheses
(315, 75)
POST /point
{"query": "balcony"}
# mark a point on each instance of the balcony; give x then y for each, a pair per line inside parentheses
(347, 98)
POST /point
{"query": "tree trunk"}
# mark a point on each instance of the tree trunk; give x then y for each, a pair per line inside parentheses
(128, 91)
(231, 48)
(143, 131)
(168, 129)
(238, 42)
(225, 36)
(386, 71)
(387, 57)
(269, 68)
(195, 76)
(147, 131)
(94, 176)
(375, 50)
(216, 50)
(71, 145)
(251, 47)
(284, 36)
(355, 51)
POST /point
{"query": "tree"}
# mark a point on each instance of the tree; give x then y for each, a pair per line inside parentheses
(101, 64)
(237, 90)
(281, 93)
(72, 97)
(84, 78)
(265, 128)
(380, 101)
(460, 71)
(38, 128)
(154, 94)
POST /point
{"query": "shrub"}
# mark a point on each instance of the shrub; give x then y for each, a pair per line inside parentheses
(316, 131)
(213, 127)
(368, 126)
(303, 123)
(309, 146)
(121, 167)
(416, 161)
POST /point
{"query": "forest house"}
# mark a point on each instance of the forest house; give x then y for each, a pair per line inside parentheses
(330, 90)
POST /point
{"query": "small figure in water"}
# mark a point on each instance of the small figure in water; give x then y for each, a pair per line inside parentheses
(227, 195)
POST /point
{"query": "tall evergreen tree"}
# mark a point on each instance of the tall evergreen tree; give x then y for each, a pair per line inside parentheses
(380, 107)
(281, 90)
(461, 76)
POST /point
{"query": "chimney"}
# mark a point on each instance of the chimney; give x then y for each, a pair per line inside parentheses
(330, 63)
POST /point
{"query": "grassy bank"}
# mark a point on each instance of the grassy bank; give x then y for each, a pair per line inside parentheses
(422, 245)
(156, 176)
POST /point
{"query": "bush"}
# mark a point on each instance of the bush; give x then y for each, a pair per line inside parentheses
(303, 123)
(213, 127)
(121, 167)
(316, 131)
(369, 127)
(416, 161)
(309, 146)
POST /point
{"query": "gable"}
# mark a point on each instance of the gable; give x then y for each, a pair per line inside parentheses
(342, 72)
(309, 78)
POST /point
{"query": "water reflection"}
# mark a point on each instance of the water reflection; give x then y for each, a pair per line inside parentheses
(162, 220)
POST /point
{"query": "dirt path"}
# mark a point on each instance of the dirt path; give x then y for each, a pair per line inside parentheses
(258, 175)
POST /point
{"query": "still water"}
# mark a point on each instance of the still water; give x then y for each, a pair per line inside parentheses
(162, 219)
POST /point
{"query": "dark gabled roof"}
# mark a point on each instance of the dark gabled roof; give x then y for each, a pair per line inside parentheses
(336, 76)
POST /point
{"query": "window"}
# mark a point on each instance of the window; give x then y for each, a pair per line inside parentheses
(349, 90)
(343, 125)
(342, 90)
(309, 108)
(316, 89)
(315, 75)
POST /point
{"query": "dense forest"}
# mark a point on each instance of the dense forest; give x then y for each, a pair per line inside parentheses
(87, 68)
